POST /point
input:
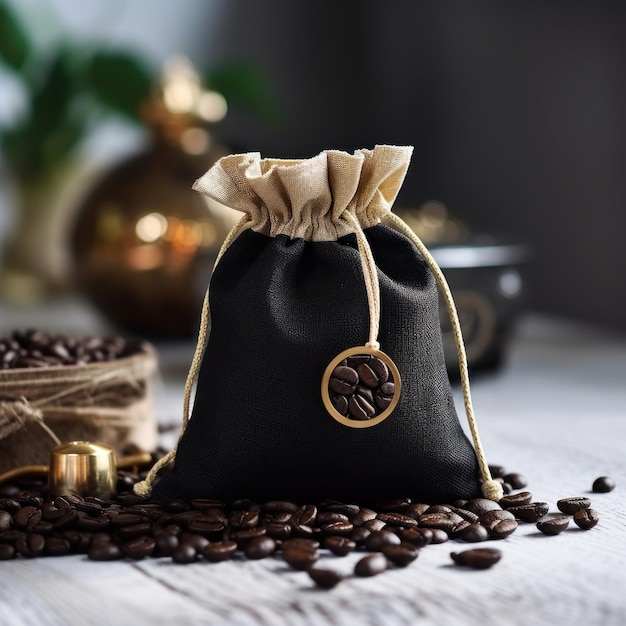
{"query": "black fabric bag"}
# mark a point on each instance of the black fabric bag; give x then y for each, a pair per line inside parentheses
(309, 272)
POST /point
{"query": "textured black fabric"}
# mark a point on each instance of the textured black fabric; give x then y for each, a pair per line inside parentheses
(281, 310)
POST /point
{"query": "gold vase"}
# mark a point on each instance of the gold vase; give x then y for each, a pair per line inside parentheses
(144, 244)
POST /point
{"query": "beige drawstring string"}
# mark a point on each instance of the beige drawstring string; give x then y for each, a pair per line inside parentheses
(144, 488)
(370, 274)
(491, 489)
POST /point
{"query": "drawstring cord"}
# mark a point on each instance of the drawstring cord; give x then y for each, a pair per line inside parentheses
(370, 274)
(144, 488)
(491, 489)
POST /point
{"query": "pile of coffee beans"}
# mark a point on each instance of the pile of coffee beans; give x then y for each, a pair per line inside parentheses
(389, 534)
(34, 349)
(361, 387)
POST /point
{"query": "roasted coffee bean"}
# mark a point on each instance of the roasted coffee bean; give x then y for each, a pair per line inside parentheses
(42, 527)
(359, 535)
(10, 505)
(497, 471)
(517, 481)
(337, 528)
(481, 505)
(177, 506)
(343, 380)
(553, 525)
(344, 508)
(586, 518)
(219, 551)
(301, 530)
(419, 537)
(91, 508)
(438, 508)
(66, 520)
(439, 536)
(400, 555)
(373, 373)
(123, 519)
(384, 396)
(7, 551)
(531, 512)
(517, 499)
(300, 557)
(380, 538)
(491, 518)
(278, 531)
(184, 553)
(371, 565)
(474, 533)
(30, 545)
(359, 408)
(330, 517)
(306, 514)
(569, 506)
(325, 578)
(165, 544)
(502, 529)
(198, 542)
(92, 524)
(477, 558)
(139, 547)
(280, 505)
(301, 543)
(339, 545)
(80, 542)
(57, 546)
(443, 521)
(212, 530)
(397, 520)
(136, 530)
(416, 509)
(364, 515)
(374, 525)
(468, 516)
(5, 520)
(27, 517)
(340, 403)
(603, 484)
(260, 547)
(243, 519)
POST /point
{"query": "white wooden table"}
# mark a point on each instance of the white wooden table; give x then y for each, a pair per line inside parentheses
(555, 413)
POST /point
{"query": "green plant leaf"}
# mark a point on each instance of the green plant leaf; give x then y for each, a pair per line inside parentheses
(243, 84)
(15, 47)
(119, 81)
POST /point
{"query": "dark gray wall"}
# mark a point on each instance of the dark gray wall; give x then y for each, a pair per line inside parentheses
(516, 110)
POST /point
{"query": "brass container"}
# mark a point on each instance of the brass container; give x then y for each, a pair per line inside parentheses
(82, 468)
(144, 243)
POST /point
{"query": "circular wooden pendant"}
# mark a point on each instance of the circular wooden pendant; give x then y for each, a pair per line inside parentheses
(361, 387)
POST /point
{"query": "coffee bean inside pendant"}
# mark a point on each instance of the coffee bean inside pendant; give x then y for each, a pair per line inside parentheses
(361, 387)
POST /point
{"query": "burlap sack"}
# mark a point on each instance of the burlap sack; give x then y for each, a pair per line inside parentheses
(108, 402)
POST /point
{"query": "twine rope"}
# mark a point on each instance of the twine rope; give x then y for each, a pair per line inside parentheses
(491, 489)
(144, 487)
(370, 274)
(82, 391)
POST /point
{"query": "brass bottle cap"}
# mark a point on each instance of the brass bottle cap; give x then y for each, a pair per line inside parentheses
(82, 468)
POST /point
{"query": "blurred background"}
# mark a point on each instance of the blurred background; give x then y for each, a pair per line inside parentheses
(110, 109)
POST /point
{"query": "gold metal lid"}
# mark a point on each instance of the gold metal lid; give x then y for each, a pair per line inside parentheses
(82, 468)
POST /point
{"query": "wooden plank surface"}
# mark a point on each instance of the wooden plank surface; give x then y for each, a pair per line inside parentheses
(555, 413)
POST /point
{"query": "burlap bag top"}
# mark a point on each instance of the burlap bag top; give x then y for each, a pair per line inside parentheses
(317, 266)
